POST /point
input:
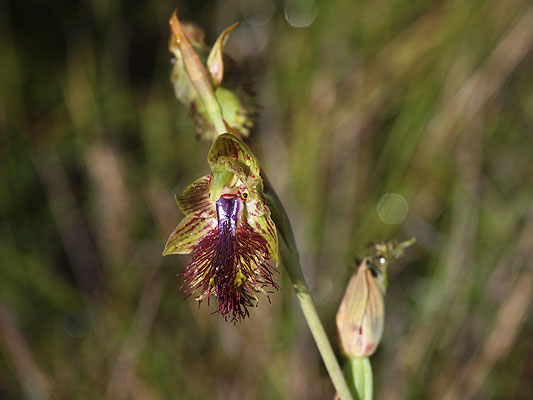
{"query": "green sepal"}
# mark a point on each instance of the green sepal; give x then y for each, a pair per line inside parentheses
(384, 253)
(188, 233)
(230, 148)
(238, 108)
(230, 158)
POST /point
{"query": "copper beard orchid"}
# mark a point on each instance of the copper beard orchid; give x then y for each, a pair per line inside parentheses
(228, 231)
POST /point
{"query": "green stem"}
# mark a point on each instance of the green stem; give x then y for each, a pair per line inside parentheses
(213, 110)
(202, 83)
(359, 374)
(292, 265)
(291, 262)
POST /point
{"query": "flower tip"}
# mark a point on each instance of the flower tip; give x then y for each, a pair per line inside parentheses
(175, 26)
(173, 18)
(167, 250)
(174, 241)
(215, 61)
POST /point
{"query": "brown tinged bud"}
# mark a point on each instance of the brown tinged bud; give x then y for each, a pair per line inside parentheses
(361, 314)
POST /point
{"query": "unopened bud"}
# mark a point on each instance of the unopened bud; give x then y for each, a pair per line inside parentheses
(361, 314)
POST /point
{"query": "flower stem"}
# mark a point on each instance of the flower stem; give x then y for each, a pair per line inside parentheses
(291, 262)
(292, 265)
(359, 374)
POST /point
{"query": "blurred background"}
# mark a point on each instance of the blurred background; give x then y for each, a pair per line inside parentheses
(379, 120)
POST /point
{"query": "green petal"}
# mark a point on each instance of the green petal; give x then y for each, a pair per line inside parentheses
(255, 206)
(194, 200)
(215, 63)
(189, 232)
(233, 150)
(264, 226)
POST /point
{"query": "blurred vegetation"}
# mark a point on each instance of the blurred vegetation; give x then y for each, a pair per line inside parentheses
(431, 101)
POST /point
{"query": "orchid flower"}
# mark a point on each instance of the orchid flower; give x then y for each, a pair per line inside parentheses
(228, 231)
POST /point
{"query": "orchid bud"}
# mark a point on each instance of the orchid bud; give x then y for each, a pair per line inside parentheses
(198, 79)
(361, 314)
(360, 318)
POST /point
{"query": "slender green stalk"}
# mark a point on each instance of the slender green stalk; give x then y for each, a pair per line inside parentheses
(369, 381)
(359, 375)
(291, 262)
(212, 108)
(292, 265)
(207, 95)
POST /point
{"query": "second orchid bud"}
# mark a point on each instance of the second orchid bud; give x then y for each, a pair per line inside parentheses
(361, 314)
